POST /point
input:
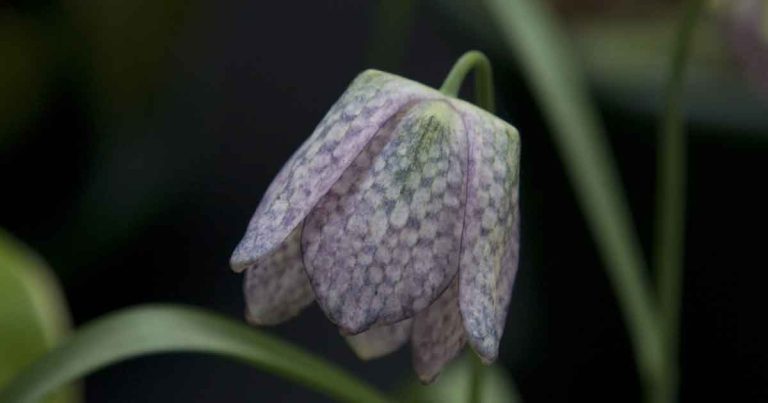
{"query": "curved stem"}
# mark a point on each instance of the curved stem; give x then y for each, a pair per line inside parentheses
(670, 193)
(483, 79)
(484, 98)
(158, 329)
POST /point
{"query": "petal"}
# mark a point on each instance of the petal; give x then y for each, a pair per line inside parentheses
(490, 240)
(379, 341)
(438, 334)
(383, 244)
(277, 288)
(371, 99)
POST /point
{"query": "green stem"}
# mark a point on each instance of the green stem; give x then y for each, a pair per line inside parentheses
(484, 98)
(159, 329)
(476, 382)
(670, 193)
(483, 79)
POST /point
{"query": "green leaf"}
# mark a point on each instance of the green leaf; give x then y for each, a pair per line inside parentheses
(453, 386)
(530, 31)
(33, 315)
(157, 329)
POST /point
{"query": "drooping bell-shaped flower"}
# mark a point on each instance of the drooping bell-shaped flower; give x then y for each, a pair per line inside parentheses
(399, 216)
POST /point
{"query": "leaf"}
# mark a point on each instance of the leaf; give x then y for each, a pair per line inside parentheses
(155, 329)
(453, 386)
(33, 314)
(530, 31)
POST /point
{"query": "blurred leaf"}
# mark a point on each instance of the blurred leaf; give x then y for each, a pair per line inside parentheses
(158, 329)
(621, 58)
(453, 386)
(624, 60)
(33, 316)
(532, 34)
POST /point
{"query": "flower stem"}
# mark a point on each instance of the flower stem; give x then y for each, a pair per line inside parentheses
(670, 194)
(476, 382)
(484, 98)
(483, 79)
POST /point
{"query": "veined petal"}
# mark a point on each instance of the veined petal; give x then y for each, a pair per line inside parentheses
(490, 240)
(277, 288)
(438, 334)
(383, 243)
(380, 341)
(371, 99)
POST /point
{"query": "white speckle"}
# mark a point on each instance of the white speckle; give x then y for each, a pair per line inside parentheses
(483, 199)
(438, 185)
(336, 132)
(392, 191)
(383, 255)
(450, 200)
(401, 257)
(376, 275)
(413, 181)
(428, 229)
(409, 237)
(399, 215)
(279, 207)
(383, 178)
(357, 225)
(393, 273)
(373, 198)
(430, 170)
(378, 225)
(365, 259)
(421, 196)
(379, 164)
(496, 191)
(489, 219)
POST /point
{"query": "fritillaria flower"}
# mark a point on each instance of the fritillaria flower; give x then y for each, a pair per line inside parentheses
(746, 23)
(399, 216)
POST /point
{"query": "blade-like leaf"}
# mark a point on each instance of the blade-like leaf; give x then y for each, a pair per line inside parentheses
(531, 33)
(33, 313)
(157, 329)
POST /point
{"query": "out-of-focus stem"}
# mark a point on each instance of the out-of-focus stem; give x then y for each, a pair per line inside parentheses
(670, 194)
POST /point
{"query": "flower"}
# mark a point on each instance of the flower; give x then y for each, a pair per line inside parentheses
(399, 216)
(746, 26)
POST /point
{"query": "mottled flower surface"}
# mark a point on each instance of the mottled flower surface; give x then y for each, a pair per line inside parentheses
(399, 216)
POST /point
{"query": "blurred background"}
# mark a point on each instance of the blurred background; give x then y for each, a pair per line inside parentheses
(137, 137)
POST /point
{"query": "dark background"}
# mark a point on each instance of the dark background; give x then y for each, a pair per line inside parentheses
(139, 136)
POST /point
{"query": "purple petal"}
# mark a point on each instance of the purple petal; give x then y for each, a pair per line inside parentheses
(277, 288)
(380, 341)
(438, 335)
(383, 244)
(490, 240)
(371, 99)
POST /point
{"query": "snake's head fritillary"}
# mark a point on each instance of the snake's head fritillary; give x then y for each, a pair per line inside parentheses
(399, 216)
